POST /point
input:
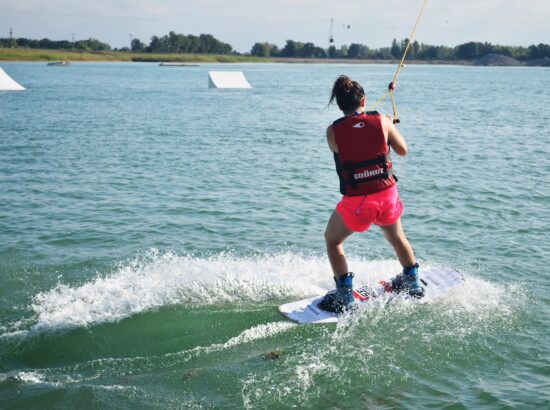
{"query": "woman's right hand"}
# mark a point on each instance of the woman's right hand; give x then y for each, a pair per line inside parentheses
(395, 139)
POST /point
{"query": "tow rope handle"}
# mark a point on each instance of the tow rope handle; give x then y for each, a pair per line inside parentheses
(391, 87)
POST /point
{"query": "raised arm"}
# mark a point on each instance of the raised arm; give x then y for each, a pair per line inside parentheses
(395, 139)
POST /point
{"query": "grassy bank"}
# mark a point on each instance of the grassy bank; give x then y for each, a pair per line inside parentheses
(196, 58)
(19, 54)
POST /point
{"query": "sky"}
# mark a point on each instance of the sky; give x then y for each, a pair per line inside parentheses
(241, 23)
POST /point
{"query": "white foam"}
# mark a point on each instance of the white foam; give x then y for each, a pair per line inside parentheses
(167, 279)
(249, 335)
(478, 303)
(7, 83)
(257, 332)
(29, 377)
(163, 279)
(293, 382)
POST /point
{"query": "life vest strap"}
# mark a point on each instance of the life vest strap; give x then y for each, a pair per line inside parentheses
(385, 175)
(381, 160)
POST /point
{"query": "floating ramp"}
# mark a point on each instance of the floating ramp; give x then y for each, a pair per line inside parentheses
(168, 64)
(7, 83)
(227, 79)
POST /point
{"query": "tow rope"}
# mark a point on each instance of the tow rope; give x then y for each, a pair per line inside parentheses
(391, 86)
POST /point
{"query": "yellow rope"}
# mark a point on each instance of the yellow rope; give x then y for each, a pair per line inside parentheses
(390, 92)
(395, 119)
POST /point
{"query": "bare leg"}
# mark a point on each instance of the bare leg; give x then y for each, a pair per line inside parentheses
(396, 237)
(335, 234)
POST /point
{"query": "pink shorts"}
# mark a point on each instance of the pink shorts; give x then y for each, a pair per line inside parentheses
(381, 208)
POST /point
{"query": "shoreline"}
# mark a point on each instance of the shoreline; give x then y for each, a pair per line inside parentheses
(299, 60)
(40, 55)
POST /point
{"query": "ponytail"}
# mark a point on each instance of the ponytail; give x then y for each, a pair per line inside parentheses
(348, 94)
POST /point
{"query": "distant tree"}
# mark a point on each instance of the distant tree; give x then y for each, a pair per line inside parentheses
(265, 50)
(319, 52)
(533, 51)
(47, 43)
(468, 51)
(261, 50)
(445, 53)
(427, 52)
(414, 49)
(292, 49)
(274, 51)
(138, 46)
(153, 44)
(92, 45)
(308, 50)
(383, 53)
(544, 50)
(332, 52)
(353, 50)
(209, 45)
(404, 47)
(180, 43)
(540, 51)
(358, 51)
(343, 52)
(44, 43)
(395, 49)
(520, 53)
(192, 44)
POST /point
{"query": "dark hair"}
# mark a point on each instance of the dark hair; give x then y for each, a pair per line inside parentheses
(348, 93)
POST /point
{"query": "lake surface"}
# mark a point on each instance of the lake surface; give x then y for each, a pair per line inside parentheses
(150, 226)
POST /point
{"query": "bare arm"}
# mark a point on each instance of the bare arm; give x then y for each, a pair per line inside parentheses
(395, 139)
(331, 139)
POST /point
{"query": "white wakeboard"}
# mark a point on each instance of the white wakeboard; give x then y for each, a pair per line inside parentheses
(436, 281)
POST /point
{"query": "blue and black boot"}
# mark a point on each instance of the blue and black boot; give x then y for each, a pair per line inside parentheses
(341, 299)
(408, 281)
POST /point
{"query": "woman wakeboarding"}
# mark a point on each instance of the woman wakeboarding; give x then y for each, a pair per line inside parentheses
(360, 142)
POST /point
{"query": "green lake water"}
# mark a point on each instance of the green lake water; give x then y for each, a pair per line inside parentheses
(150, 226)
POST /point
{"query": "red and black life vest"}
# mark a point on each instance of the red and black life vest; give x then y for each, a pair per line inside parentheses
(363, 160)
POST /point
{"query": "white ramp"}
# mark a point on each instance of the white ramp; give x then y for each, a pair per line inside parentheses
(7, 83)
(227, 79)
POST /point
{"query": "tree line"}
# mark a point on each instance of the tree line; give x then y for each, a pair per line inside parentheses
(170, 43)
(181, 43)
(90, 44)
(417, 51)
(208, 44)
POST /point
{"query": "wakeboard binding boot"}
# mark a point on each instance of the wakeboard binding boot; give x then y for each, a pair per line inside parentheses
(408, 282)
(341, 299)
